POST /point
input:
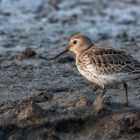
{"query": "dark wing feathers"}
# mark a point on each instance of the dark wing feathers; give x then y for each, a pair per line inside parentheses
(109, 61)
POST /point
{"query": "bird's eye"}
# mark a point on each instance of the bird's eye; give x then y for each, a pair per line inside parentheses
(74, 42)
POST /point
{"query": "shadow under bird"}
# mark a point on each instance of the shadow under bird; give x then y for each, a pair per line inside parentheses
(100, 65)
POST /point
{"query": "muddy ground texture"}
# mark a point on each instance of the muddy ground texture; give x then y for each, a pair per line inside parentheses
(41, 99)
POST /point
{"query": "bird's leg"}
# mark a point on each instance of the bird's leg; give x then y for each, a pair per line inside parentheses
(126, 94)
(103, 93)
(100, 102)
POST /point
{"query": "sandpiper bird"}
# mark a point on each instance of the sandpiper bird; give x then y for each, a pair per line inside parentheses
(103, 66)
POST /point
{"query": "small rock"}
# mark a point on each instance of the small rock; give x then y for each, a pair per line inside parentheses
(27, 53)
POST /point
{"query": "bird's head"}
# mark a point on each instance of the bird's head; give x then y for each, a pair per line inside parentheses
(77, 44)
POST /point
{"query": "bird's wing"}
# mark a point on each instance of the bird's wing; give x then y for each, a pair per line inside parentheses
(109, 61)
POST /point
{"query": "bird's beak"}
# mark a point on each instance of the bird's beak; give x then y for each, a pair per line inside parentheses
(63, 52)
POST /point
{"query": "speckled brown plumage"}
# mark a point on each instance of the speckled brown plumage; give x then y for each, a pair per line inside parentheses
(109, 60)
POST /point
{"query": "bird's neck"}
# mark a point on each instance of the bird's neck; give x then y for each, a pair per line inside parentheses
(79, 53)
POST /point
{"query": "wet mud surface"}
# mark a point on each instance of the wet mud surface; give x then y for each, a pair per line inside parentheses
(48, 99)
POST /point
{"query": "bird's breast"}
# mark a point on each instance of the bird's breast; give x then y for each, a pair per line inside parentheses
(88, 71)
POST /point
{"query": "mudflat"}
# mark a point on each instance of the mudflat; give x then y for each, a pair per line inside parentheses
(43, 99)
